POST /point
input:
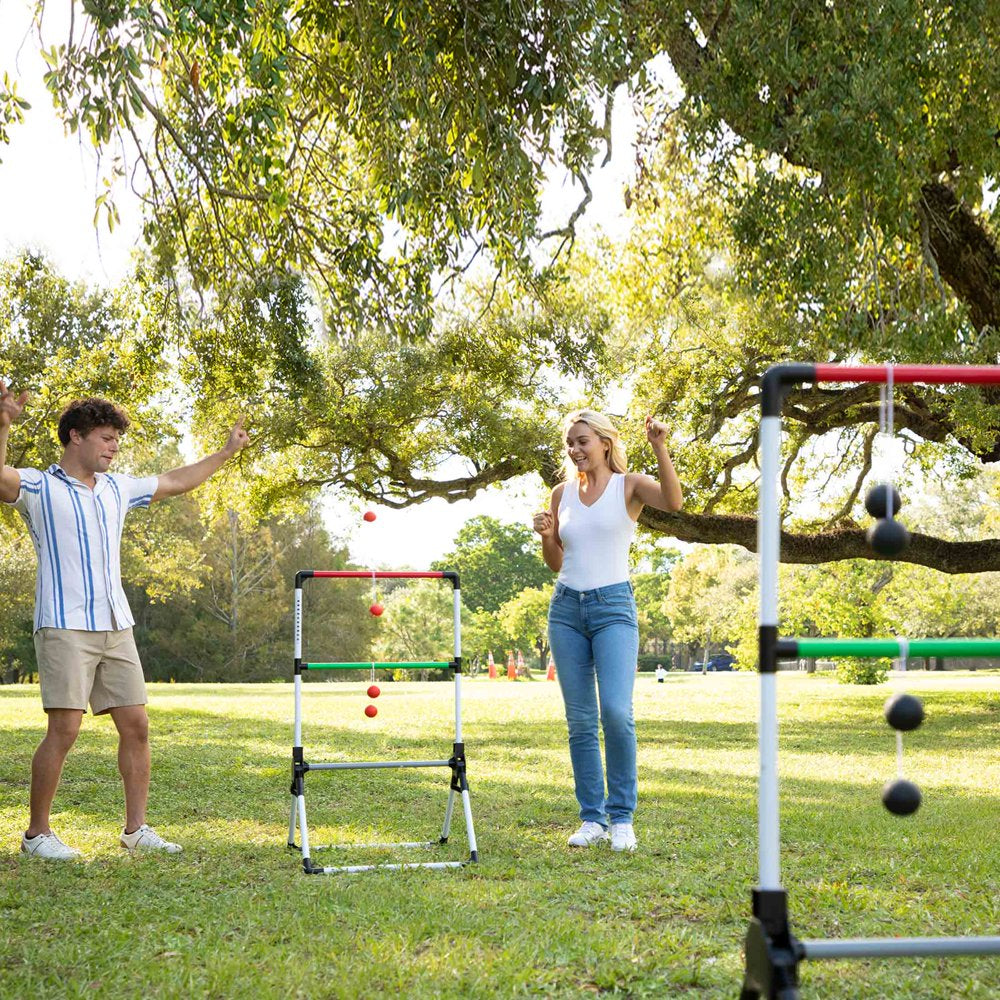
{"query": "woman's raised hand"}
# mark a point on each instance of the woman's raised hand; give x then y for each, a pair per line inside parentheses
(656, 431)
(544, 523)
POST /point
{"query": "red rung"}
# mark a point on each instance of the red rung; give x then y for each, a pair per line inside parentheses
(378, 574)
(932, 374)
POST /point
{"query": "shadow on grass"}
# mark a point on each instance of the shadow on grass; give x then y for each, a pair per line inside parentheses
(209, 767)
(533, 918)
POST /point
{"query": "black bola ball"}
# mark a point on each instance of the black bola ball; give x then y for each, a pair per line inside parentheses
(904, 712)
(888, 537)
(901, 797)
(877, 498)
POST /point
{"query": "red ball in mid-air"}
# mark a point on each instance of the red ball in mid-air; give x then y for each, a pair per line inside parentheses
(371, 711)
(376, 609)
(369, 515)
(374, 691)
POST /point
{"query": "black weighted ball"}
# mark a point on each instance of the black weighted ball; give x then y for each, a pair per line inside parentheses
(888, 537)
(904, 712)
(877, 499)
(901, 797)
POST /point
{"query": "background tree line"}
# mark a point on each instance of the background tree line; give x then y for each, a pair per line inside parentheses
(344, 236)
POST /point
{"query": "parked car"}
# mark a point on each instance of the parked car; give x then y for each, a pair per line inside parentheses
(716, 663)
(721, 661)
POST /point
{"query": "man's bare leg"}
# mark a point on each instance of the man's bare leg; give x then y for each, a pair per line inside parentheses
(133, 761)
(47, 765)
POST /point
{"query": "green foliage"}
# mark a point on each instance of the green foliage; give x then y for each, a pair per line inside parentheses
(12, 108)
(842, 598)
(496, 561)
(396, 423)
(525, 620)
(812, 188)
(17, 584)
(651, 603)
(369, 149)
(234, 623)
(710, 595)
(418, 624)
(60, 341)
(482, 634)
(862, 671)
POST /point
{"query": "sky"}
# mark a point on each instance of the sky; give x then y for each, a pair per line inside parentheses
(48, 183)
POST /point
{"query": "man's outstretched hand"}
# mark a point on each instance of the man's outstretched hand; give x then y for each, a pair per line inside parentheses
(10, 405)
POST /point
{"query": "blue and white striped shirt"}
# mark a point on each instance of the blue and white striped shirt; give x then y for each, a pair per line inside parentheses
(77, 535)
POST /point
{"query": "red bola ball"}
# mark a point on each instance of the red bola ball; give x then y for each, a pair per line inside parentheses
(369, 515)
(374, 691)
(376, 609)
(371, 711)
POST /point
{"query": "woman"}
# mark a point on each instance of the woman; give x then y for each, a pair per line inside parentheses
(593, 631)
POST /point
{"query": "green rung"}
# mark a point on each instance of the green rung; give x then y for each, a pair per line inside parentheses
(367, 665)
(829, 648)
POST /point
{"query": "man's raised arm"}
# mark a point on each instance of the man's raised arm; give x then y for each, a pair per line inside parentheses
(177, 481)
(10, 409)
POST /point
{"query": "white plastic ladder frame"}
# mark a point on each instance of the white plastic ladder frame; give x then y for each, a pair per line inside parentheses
(772, 952)
(457, 764)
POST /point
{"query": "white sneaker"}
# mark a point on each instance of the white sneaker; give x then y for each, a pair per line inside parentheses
(48, 845)
(622, 837)
(147, 839)
(588, 834)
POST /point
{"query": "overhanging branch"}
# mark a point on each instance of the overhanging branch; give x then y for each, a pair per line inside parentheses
(828, 546)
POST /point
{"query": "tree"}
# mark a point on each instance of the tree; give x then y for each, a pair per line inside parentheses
(495, 562)
(371, 150)
(850, 185)
(235, 625)
(711, 597)
(810, 184)
(17, 584)
(61, 340)
(417, 625)
(651, 594)
(482, 634)
(525, 619)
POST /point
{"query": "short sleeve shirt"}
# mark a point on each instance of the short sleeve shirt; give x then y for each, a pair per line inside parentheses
(77, 534)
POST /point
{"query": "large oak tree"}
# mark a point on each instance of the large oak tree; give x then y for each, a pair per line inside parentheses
(834, 164)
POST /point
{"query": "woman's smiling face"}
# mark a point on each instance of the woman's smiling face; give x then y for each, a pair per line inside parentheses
(586, 449)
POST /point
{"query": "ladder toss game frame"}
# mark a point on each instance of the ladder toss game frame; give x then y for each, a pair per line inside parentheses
(458, 787)
(772, 951)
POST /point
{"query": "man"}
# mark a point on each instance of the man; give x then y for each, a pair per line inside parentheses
(75, 511)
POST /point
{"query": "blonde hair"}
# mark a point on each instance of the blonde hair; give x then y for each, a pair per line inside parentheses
(606, 431)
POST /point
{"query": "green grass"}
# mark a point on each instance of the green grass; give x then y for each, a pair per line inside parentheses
(234, 916)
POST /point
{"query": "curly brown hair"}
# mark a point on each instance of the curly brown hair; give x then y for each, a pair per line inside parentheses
(83, 415)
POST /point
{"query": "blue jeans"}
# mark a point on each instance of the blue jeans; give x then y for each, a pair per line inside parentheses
(594, 636)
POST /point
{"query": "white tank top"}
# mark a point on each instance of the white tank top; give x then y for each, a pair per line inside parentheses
(595, 539)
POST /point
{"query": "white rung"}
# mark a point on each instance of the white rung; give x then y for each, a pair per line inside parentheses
(404, 843)
(346, 869)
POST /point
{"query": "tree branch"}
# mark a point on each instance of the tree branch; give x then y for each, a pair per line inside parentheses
(829, 546)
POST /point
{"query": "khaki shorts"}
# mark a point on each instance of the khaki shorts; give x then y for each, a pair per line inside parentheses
(75, 666)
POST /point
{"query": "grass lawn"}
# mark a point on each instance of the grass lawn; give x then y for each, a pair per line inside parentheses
(234, 916)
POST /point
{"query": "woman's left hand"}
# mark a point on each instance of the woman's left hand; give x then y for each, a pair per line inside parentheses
(656, 432)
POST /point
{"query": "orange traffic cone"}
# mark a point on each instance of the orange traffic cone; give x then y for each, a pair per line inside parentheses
(550, 674)
(511, 669)
(491, 665)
